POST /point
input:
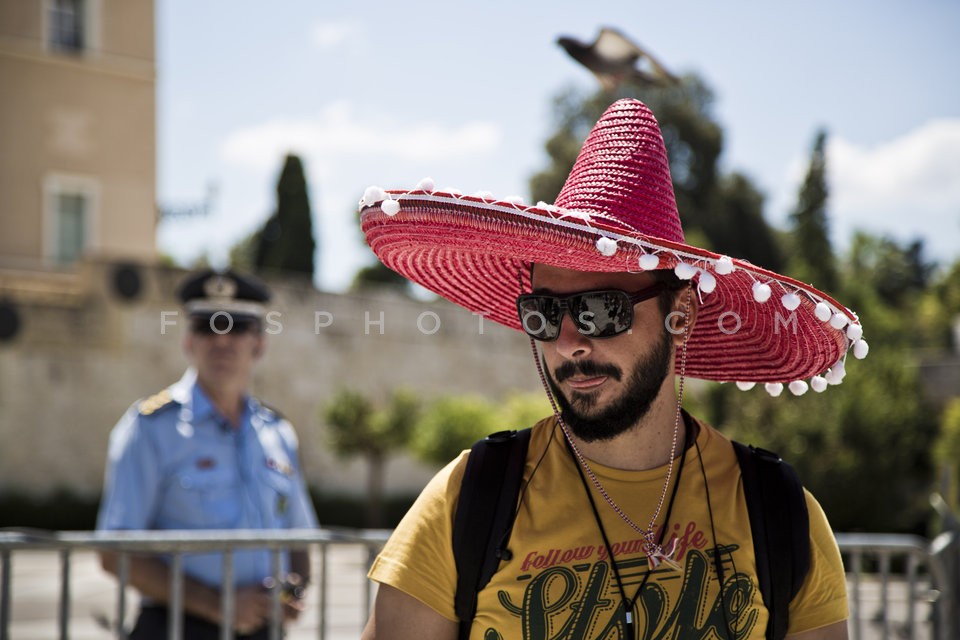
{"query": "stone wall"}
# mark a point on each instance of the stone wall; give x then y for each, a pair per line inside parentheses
(84, 353)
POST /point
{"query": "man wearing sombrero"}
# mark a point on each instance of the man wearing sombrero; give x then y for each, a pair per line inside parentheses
(632, 519)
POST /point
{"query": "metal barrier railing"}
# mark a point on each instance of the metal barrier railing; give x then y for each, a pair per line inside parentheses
(175, 544)
(925, 574)
(922, 579)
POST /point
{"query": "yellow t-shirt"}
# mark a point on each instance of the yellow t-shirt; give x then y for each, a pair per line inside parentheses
(559, 583)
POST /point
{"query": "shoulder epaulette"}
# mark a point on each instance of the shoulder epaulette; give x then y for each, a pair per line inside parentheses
(156, 403)
(273, 411)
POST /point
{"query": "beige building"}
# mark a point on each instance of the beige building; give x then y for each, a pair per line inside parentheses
(88, 320)
(77, 131)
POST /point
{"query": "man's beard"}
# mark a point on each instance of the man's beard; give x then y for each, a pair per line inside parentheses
(642, 387)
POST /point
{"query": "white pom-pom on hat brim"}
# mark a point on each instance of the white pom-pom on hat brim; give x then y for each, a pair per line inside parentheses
(823, 312)
(724, 266)
(684, 271)
(761, 292)
(818, 384)
(649, 261)
(373, 194)
(707, 283)
(790, 301)
(860, 349)
(709, 271)
(606, 246)
(390, 207)
(798, 387)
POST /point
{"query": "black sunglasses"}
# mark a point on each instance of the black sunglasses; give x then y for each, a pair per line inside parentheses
(596, 314)
(221, 323)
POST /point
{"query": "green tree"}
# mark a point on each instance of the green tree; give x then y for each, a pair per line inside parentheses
(863, 448)
(938, 310)
(896, 273)
(357, 427)
(522, 410)
(813, 258)
(891, 286)
(242, 254)
(709, 205)
(378, 276)
(286, 243)
(948, 450)
(451, 425)
(739, 207)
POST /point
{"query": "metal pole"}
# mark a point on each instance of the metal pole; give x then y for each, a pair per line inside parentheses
(885, 594)
(276, 616)
(228, 596)
(322, 588)
(65, 594)
(175, 612)
(912, 564)
(856, 561)
(124, 571)
(5, 585)
(367, 594)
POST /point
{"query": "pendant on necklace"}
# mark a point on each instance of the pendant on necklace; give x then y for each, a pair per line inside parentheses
(657, 556)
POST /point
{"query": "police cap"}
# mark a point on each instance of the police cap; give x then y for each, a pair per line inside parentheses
(207, 292)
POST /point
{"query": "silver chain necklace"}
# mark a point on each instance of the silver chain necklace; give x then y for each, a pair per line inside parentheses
(651, 548)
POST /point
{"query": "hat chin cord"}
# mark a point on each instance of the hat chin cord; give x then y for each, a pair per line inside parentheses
(655, 553)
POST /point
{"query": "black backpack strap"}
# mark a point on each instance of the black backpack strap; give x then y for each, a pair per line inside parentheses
(781, 530)
(485, 512)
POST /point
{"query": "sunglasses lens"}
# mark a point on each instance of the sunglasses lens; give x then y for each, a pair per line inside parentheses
(540, 316)
(602, 314)
(596, 314)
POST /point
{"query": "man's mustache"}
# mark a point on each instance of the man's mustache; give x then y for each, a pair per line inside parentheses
(586, 368)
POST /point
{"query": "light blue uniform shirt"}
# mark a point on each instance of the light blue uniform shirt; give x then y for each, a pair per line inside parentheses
(175, 463)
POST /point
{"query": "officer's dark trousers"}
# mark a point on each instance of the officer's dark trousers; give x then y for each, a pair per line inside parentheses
(152, 625)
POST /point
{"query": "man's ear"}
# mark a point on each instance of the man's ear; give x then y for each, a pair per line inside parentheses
(683, 314)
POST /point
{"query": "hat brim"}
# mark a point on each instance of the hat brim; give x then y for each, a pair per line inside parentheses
(476, 252)
(237, 308)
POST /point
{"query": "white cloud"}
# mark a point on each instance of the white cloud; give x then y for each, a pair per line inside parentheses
(337, 132)
(905, 188)
(329, 35)
(919, 171)
(344, 149)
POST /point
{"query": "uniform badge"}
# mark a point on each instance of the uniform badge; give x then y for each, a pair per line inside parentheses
(279, 465)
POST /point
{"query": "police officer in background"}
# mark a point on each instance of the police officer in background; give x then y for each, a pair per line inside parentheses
(205, 454)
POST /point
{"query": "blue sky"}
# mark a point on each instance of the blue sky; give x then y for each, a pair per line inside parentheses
(388, 93)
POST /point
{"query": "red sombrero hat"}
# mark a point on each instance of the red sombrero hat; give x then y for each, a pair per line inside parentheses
(616, 212)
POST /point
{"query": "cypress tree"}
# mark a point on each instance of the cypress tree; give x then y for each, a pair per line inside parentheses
(809, 223)
(286, 243)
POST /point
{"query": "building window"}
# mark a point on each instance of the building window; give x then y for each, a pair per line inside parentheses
(71, 215)
(67, 25)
